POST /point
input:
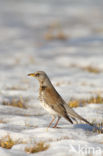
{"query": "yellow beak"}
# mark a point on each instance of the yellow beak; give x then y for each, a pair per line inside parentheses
(31, 74)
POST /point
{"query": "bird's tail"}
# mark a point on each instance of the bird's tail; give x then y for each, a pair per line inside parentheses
(81, 118)
(73, 114)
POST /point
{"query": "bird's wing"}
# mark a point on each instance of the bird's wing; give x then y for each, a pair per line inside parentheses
(53, 99)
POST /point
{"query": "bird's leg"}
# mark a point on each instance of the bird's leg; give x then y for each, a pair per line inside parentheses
(56, 122)
(53, 118)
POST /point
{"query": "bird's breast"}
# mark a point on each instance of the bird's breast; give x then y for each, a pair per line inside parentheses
(45, 103)
(48, 108)
(41, 96)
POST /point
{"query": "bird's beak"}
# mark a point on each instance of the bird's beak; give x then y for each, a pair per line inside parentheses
(31, 74)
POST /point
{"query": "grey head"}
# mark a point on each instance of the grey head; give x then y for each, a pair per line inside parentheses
(42, 77)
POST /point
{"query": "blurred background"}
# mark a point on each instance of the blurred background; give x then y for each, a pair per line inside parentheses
(62, 37)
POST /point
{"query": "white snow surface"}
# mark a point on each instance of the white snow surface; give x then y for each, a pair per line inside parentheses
(23, 49)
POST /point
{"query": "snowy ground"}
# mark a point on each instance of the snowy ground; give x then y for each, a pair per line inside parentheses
(24, 49)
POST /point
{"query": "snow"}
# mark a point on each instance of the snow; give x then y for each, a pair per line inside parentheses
(24, 49)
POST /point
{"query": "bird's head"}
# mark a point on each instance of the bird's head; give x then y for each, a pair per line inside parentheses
(40, 75)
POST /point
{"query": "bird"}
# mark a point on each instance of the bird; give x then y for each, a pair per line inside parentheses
(53, 103)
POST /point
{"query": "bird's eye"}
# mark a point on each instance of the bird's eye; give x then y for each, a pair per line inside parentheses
(37, 74)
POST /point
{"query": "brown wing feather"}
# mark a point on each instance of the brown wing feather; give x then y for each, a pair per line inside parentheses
(53, 99)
